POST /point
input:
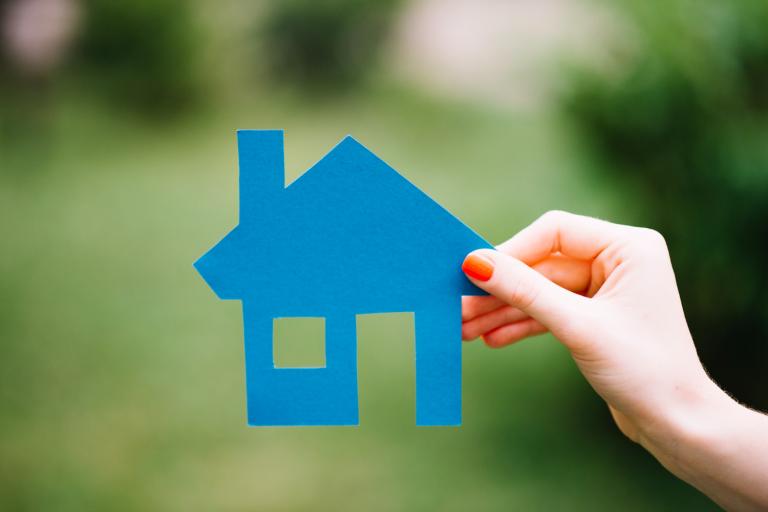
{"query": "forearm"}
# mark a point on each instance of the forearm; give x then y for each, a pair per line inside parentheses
(716, 445)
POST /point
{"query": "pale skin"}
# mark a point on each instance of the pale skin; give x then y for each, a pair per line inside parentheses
(607, 292)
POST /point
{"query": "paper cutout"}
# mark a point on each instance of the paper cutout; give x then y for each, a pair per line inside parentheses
(350, 236)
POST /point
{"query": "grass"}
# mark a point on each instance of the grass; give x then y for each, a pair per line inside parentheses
(121, 382)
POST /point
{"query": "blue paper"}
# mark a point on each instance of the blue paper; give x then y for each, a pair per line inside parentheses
(350, 236)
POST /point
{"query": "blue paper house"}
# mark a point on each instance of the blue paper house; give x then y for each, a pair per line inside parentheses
(350, 236)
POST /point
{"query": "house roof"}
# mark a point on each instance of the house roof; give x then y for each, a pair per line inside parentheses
(351, 230)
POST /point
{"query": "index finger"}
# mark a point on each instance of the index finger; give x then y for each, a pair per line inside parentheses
(573, 235)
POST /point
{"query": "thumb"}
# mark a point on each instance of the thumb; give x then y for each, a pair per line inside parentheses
(522, 287)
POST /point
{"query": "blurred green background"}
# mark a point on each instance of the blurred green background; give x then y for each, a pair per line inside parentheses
(121, 382)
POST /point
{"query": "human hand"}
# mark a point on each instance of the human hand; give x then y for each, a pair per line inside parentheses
(608, 293)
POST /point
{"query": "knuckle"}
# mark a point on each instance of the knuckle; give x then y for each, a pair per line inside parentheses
(654, 236)
(521, 295)
(553, 216)
(651, 239)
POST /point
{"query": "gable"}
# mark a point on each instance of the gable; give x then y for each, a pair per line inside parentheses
(351, 181)
(354, 208)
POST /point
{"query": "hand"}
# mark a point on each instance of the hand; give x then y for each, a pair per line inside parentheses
(608, 293)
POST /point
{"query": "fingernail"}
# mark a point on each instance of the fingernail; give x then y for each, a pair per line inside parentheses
(477, 267)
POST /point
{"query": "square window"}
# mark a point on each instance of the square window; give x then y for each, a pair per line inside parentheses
(298, 342)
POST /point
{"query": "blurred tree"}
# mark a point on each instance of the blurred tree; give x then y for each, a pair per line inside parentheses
(142, 52)
(319, 45)
(683, 119)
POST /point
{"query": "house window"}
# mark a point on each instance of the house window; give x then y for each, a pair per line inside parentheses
(298, 342)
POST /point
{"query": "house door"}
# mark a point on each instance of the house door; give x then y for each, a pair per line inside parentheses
(436, 349)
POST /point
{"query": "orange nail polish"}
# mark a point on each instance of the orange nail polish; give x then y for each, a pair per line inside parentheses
(477, 267)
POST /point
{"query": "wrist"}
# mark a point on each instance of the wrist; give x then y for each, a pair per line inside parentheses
(695, 422)
(715, 444)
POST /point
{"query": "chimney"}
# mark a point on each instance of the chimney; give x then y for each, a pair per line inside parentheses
(262, 172)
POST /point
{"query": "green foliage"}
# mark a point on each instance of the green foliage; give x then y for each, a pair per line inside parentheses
(142, 52)
(322, 44)
(683, 119)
